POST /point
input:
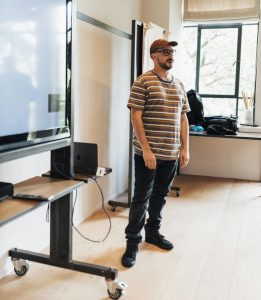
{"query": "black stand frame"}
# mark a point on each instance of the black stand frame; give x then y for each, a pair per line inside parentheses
(61, 243)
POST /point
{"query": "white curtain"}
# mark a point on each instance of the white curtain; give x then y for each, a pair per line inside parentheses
(207, 10)
(151, 32)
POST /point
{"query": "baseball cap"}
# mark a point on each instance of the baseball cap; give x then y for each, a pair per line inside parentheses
(161, 43)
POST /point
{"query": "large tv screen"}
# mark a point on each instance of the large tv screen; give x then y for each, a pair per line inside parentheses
(34, 74)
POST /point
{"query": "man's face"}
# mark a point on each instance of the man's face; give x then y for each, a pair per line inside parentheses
(165, 57)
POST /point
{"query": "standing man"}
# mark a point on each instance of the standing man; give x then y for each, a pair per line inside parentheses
(158, 104)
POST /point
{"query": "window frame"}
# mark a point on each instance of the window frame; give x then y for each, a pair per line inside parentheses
(239, 27)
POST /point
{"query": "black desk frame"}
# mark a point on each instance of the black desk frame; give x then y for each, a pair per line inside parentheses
(61, 243)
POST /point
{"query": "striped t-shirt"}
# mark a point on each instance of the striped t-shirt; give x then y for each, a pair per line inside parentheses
(162, 103)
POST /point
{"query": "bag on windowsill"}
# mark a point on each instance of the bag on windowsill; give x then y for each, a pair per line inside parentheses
(221, 125)
(196, 114)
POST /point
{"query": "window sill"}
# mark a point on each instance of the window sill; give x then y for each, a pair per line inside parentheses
(240, 135)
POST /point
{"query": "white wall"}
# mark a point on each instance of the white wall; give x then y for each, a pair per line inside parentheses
(102, 80)
(115, 13)
(102, 83)
(156, 11)
(223, 157)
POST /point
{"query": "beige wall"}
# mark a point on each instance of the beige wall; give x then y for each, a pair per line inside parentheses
(169, 18)
(113, 12)
(102, 83)
(156, 11)
(228, 158)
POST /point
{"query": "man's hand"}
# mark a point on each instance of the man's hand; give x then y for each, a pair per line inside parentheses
(184, 158)
(184, 151)
(137, 123)
(149, 159)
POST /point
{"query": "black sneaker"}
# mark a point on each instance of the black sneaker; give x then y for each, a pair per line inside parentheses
(160, 241)
(129, 257)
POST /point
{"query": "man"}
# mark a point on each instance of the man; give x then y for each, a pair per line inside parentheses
(158, 104)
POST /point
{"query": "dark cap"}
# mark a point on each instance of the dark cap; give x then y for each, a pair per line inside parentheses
(161, 43)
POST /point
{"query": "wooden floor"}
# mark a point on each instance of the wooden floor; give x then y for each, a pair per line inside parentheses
(216, 227)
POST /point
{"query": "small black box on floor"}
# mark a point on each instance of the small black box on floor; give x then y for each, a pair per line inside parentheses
(6, 190)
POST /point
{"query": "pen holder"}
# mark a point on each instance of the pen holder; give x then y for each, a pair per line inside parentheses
(248, 115)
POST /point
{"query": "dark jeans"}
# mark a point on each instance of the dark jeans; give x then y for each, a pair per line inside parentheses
(150, 189)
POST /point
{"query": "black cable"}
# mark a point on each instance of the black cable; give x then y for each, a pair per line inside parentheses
(63, 176)
(47, 218)
(103, 207)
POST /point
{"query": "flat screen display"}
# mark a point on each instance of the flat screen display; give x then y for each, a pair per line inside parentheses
(33, 71)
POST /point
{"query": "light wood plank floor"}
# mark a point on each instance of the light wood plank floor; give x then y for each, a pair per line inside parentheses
(216, 227)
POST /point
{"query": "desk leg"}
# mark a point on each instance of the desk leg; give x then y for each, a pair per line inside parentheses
(61, 229)
(108, 273)
(61, 244)
(61, 250)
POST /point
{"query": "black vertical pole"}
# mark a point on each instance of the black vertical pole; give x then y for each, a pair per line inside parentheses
(136, 70)
(61, 229)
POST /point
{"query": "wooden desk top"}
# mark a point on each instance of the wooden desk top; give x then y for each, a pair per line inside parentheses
(85, 178)
(82, 177)
(47, 187)
(11, 208)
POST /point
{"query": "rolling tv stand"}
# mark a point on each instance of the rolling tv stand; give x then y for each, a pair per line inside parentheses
(60, 254)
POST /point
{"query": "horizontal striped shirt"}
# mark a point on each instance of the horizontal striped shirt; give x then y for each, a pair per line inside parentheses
(162, 103)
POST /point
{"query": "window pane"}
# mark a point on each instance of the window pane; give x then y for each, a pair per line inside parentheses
(248, 60)
(219, 106)
(217, 61)
(217, 73)
(189, 57)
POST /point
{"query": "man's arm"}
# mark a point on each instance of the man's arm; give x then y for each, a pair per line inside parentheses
(184, 151)
(148, 156)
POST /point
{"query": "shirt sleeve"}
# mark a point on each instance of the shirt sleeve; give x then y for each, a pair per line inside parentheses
(185, 103)
(137, 97)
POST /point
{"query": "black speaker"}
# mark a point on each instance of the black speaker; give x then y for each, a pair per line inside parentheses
(6, 190)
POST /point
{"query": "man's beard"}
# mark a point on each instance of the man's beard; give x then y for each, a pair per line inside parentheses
(165, 65)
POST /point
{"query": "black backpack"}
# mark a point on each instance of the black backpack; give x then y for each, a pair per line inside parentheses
(196, 114)
(221, 125)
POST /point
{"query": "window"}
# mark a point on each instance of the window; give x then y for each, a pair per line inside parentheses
(220, 63)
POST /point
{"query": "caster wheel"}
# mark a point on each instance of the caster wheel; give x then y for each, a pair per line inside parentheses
(116, 295)
(22, 271)
(113, 208)
(20, 266)
(177, 194)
